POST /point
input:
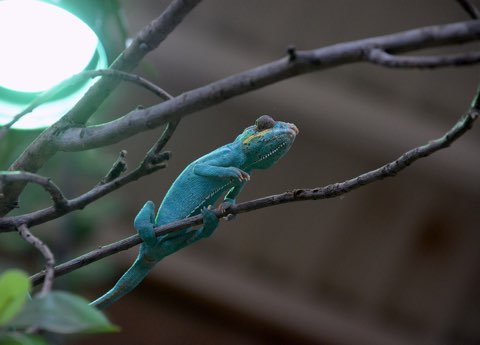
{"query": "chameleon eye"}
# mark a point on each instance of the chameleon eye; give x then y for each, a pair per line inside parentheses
(264, 122)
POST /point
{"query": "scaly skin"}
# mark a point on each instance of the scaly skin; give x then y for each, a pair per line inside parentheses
(224, 170)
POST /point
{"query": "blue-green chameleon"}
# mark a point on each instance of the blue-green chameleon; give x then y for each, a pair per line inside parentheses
(200, 185)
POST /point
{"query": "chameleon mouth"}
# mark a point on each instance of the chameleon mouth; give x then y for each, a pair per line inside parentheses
(272, 152)
(275, 150)
(294, 128)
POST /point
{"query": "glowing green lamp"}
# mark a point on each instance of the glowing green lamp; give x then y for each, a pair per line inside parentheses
(42, 45)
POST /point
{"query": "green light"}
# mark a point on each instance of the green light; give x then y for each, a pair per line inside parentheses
(42, 46)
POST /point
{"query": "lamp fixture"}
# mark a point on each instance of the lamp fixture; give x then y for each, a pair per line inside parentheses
(42, 45)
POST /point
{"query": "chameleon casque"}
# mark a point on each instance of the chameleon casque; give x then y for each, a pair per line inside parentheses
(200, 185)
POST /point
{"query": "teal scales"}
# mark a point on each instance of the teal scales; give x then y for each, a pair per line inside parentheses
(222, 171)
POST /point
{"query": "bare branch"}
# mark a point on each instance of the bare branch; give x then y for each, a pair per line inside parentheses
(59, 201)
(154, 155)
(382, 58)
(130, 77)
(329, 191)
(140, 120)
(119, 167)
(471, 9)
(49, 273)
(77, 78)
(149, 38)
(39, 217)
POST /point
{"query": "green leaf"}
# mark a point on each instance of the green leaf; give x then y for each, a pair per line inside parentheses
(21, 339)
(62, 312)
(14, 287)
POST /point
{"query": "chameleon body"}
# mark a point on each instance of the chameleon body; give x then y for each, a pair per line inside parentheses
(222, 171)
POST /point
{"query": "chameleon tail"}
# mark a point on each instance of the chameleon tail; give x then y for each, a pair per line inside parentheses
(129, 281)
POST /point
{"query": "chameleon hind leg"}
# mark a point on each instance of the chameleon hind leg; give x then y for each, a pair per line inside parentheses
(145, 222)
(171, 243)
(167, 244)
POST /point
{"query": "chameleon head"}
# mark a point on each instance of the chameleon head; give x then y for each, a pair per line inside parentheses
(266, 142)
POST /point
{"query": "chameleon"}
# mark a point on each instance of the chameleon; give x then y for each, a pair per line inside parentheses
(225, 170)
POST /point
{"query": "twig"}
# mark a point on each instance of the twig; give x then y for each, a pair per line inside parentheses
(41, 216)
(382, 58)
(80, 77)
(148, 39)
(119, 167)
(153, 161)
(59, 201)
(49, 273)
(329, 191)
(471, 9)
(139, 120)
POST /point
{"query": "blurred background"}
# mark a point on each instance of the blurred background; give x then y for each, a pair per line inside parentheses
(396, 262)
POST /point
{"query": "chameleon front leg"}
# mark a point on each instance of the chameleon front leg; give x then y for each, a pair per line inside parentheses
(220, 172)
(229, 200)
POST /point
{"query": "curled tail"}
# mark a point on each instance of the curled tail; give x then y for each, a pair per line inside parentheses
(129, 281)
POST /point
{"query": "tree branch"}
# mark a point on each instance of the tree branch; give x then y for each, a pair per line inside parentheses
(77, 78)
(154, 160)
(59, 201)
(49, 273)
(329, 191)
(139, 120)
(42, 216)
(42, 149)
(471, 9)
(382, 58)
(148, 39)
(62, 136)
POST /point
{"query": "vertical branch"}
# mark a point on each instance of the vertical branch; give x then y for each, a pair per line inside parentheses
(47, 254)
(470, 8)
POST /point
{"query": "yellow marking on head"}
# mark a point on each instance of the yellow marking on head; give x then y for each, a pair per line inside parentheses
(253, 136)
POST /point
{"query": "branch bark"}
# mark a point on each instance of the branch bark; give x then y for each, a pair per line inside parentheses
(47, 254)
(111, 73)
(330, 191)
(139, 120)
(150, 164)
(382, 58)
(470, 8)
(8, 177)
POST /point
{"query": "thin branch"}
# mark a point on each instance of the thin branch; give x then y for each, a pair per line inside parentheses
(148, 39)
(471, 9)
(382, 58)
(78, 78)
(42, 216)
(153, 161)
(139, 120)
(329, 191)
(49, 273)
(59, 201)
(119, 167)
